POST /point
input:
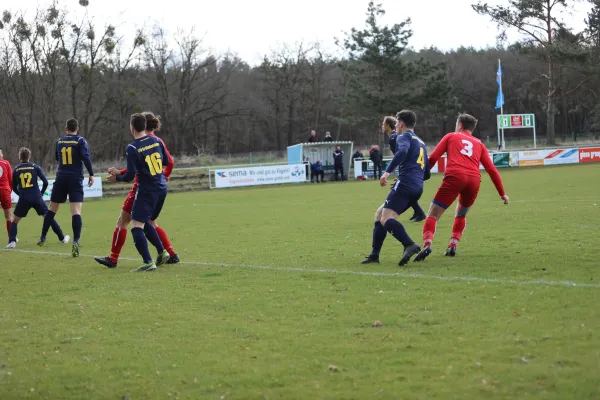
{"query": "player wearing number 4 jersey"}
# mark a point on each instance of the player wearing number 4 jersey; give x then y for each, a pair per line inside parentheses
(462, 178)
(413, 169)
(120, 233)
(145, 157)
(72, 153)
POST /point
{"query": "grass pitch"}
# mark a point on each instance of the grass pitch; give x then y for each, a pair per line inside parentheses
(273, 303)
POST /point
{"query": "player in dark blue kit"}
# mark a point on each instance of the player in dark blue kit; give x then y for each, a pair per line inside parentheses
(413, 168)
(72, 153)
(145, 157)
(389, 128)
(25, 185)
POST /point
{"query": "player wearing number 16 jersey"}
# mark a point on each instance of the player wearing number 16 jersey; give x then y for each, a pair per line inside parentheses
(462, 178)
(145, 158)
(120, 233)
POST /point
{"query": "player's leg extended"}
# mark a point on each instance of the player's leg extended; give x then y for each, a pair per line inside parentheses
(458, 227)
(379, 234)
(152, 234)
(41, 209)
(77, 224)
(393, 226)
(141, 244)
(48, 219)
(9, 218)
(418, 215)
(466, 199)
(12, 234)
(164, 238)
(118, 239)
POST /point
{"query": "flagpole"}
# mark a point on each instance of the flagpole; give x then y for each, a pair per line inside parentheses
(501, 105)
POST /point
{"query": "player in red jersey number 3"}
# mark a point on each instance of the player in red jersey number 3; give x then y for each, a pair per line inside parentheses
(462, 178)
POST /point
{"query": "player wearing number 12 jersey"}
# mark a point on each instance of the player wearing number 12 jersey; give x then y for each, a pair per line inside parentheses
(25, 185)
(462, 178)
(145, 158)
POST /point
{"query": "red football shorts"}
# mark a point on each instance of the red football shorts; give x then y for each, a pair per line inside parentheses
(464, 187)
(5, 200)
(128, 204)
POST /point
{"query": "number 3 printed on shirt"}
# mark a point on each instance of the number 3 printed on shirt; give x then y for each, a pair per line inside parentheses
(468, 149)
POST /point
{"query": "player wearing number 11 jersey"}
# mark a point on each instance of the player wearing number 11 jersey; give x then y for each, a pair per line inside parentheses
(462, 178)
(72, 153)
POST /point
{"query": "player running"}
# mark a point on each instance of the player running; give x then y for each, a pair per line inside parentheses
(5, 190)
(25, 185)
(120, 233)
(411, 159)
(72, 153)
(145, 157)
(389, 128)
(462, 178)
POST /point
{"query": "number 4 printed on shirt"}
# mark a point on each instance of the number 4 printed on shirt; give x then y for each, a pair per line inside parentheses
(468, 149)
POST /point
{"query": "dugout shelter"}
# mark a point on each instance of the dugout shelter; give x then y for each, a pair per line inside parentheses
(309, 153)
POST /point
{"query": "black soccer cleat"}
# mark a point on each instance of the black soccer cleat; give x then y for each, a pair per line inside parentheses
(408, 253)
(423, 254)
(451, 251)
(174, 259)
(106, 261)
(372, 259)
(418, 217)
(75, 249)
(41, 242)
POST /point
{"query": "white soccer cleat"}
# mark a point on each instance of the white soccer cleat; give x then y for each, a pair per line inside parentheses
(11, 245)
(66, 239)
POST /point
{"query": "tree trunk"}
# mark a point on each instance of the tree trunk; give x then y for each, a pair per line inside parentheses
(551, 109)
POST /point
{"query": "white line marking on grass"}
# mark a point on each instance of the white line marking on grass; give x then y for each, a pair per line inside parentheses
(350, 272)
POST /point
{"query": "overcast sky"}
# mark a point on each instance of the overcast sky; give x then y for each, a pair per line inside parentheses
(251, 28)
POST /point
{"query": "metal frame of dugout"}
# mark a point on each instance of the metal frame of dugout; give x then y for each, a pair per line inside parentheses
(309, 153)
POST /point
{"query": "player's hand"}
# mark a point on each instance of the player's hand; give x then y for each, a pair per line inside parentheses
(383, 180)
(113, 171)
(505, 198)
(91, 181)
(112, 178)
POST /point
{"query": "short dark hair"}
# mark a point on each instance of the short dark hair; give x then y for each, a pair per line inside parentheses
(138, 121)
(152, 121)
(72, 125)
(467, 121)
(409, 118)
(391, 122)
(24, 154)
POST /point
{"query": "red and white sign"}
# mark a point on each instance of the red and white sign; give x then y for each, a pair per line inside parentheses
(590, 154)
(516, 121)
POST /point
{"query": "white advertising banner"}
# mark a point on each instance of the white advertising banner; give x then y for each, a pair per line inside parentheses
(267, 175)
(562, 156)
(88, 192)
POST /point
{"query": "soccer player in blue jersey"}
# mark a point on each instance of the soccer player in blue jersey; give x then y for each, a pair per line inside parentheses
(72, 153)
(25, 185)
(389, 128)
(145, 157)
(413, 168)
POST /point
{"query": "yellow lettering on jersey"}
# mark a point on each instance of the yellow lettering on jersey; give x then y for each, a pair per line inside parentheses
(25, 169)
(142, 149)
(68, 142)
(421, 159)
